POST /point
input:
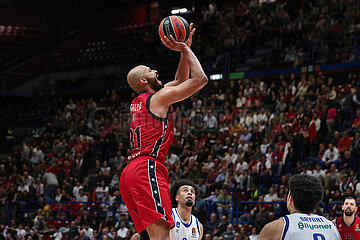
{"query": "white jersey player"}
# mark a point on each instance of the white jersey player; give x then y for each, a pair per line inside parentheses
(185, 231)
(304, 195)
(187, 226)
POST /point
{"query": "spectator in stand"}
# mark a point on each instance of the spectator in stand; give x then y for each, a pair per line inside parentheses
(246, 135)
(231, 157)
(356, 141)
(332, 138)
(210, 225)
(319, 157)
(40, 224)
(305, 170)
(331, 156)
(29, 180)
(82, 197)
(319, 173)
(222, 226)
(241, 165)
(58, 195)
(240, 101)
(222, 175)
(345, 184)
(171, 157)
(224, 207)
(229, 233)
(123, 231)
(254, 234)
(348, 161)
(271, 196)
(51, 185)
(332, 177)
(344, 142)
(88, 230)
(82, 236)
(101, 189)
(210, 122)
(277, 162)
(356, 122)
(242, 233)
(331, 119)
(259, 208)
(23, 187)
(264, 146)
(264, 170)
(76, 189)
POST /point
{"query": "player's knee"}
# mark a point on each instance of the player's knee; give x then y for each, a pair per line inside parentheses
(159, 230)
(160, 235)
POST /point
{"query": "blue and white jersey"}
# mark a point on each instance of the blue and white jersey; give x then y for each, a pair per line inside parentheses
(308, 227)
(183, 231)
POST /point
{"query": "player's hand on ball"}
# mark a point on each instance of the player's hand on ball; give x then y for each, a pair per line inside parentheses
(192, 30)
(173, 44)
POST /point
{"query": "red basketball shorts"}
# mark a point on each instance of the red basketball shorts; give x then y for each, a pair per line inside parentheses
(144, 187)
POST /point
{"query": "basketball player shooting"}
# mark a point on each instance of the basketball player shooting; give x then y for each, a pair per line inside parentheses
(187, 226)
(305, 193)
(144, 183)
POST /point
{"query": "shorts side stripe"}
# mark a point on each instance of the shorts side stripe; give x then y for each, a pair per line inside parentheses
(154, 186)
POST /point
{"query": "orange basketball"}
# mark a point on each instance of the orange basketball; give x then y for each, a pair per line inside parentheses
(177, 26)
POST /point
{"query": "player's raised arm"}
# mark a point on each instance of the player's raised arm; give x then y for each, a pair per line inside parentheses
(183, 70)
(197, 80)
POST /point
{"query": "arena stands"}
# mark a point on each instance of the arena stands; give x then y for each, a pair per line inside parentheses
(25, 42)
(281, 37)
(239, 140)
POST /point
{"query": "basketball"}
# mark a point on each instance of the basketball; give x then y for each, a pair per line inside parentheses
(176, 26)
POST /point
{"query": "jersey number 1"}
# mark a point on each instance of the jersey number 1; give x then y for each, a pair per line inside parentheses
(137, 134)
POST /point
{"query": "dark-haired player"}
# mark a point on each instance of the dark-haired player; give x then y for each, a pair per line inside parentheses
(305, 192)
(187, 226)
(144, 183)
(348, 224)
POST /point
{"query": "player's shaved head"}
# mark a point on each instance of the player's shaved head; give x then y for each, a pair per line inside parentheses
(134, 76)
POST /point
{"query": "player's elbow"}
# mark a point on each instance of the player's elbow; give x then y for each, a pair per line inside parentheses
(203, 80)
(199, 82)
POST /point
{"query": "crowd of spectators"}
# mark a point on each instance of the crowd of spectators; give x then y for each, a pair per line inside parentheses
(284, 28)
(238, 140)
(249, 25)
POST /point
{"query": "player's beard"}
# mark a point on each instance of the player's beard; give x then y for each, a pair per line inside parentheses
(154, 84)
(349, 213)
(189, 203)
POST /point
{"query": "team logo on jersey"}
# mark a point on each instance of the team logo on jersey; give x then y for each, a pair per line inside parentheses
(356, 226)
(193, 232)
(178, 224)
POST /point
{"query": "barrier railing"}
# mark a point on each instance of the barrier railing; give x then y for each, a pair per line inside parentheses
(30, 208)
(234, 211)
(241, 208)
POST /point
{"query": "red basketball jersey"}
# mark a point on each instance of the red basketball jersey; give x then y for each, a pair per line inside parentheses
(351, 232)
(149, 135)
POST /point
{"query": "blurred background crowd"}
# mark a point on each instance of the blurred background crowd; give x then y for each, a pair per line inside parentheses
(238, 140)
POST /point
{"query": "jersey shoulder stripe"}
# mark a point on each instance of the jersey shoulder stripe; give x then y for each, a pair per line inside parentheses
(286, 227)
(197, 225)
